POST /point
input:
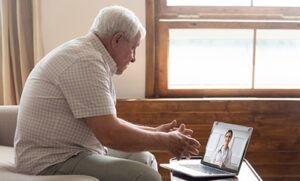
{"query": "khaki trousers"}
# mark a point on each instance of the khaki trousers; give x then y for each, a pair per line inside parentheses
(117, 165)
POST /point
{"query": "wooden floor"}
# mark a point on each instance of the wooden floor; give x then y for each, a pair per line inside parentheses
(274, 150)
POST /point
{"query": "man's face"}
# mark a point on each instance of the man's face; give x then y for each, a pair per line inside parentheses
(124, 51)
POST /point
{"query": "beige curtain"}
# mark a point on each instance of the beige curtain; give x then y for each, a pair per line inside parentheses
(21, 46)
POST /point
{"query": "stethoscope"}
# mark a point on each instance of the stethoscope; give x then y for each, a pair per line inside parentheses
(220, 150)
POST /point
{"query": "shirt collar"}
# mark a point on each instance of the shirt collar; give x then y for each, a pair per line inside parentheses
(105, 55)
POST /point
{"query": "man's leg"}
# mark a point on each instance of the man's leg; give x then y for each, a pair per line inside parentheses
(105, 168)
(143, 157)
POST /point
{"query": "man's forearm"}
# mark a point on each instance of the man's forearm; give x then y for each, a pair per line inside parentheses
(148, 128)
(142, 137)
(119, 134)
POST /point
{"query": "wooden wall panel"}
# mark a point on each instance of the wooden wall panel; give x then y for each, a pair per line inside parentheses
(274, 149)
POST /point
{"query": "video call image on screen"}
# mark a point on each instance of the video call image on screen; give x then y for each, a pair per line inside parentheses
(226, 145)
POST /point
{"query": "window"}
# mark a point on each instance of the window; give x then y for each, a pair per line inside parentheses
(239, 48)
(254, 3)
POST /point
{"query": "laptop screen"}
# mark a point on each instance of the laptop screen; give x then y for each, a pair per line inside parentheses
(226, 146)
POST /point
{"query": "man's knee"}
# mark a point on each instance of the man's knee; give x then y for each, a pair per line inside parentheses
(149, 175)
(146, 158)
(137, 171)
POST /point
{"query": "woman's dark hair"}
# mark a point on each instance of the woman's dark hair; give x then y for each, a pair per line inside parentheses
(229, 131)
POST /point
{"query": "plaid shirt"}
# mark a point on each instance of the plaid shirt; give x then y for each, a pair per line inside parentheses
(71, 83)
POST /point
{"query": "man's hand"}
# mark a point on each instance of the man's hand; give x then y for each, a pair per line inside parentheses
(167, 127)
(182, 144)
(171, 126)
(221, 164)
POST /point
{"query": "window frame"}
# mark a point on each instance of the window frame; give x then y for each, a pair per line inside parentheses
(160, 19)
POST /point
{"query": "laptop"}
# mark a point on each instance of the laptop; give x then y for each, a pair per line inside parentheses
(217, 161)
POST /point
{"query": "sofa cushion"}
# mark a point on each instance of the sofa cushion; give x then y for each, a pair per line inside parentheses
(6, 156)
(7, 172)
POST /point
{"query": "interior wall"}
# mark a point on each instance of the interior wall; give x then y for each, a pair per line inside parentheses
(274, 147)
(63, 20)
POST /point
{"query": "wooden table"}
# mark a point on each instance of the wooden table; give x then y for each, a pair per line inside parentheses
(247, 173)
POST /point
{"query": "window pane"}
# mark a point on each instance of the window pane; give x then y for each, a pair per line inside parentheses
(210, 58)
(277, 3)
(208, 2)
(278, 59)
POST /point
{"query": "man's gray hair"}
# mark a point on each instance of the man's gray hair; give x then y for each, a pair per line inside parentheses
(114, 19)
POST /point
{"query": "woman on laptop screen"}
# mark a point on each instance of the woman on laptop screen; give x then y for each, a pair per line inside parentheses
(222, 156)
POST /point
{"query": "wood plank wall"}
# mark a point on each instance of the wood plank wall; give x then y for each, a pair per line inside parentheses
(274, 149)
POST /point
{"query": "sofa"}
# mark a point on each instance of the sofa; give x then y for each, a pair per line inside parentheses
(8, 119)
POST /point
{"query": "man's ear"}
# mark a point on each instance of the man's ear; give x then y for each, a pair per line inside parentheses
(116, 39)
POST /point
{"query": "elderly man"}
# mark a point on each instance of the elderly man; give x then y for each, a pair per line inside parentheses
(67, 116)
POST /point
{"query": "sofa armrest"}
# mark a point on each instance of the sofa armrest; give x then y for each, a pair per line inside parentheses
(8, 121)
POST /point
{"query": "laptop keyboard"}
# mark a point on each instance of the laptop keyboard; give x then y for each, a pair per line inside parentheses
(204, 169)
